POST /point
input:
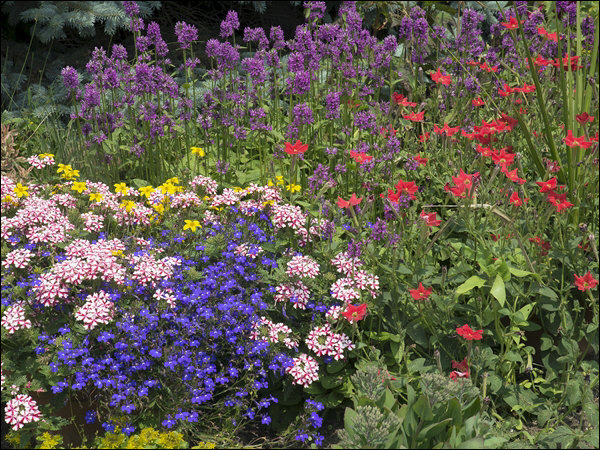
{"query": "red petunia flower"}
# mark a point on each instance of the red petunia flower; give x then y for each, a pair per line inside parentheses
(415, 117)
(503, 159)
(445, 129)
(360, 157)
(573, 141)
(353, 201)
(512, 24)
(512, 175)
(558, 200)
(438, 77)
(421, 161)
(585, 282)
(421, 293)
(355, 313)
(477, 102)
(547, 186)
(469, 334)
(487, 68)
(463, 369)
(515, 200)
(424, 137)
(430, 219)
(298, 147)
(584, 118)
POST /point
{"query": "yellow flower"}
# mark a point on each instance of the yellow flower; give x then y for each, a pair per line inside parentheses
(237, 189)
(160, 208)
(121, 188)
(128, 205)
(79, 186)
(206, 198)
(167, 188)
(146, 190)
(198, 151)
(96, 196)
(293, 187)
(268, 202)
(191, 225)
(21, 190)
(117, 252)
(70, 174)
(279, 179)
(270, 183)
(173, 180)
(45, 155)
(63, 168)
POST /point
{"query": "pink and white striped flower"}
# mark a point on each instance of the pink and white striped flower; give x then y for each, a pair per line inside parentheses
(305, 370)
(302, 266)
(19, 258)
(14, 319)
(98, 308)
(21, 410)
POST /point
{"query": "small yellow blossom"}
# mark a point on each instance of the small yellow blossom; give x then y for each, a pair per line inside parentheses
(79, 186)
(167, 188)
(270, 183)
(45, 156)
(146, 190)
(279, 179)
(117, 252)
(237, 189)
(121, 188)
(128, 205)
(293, 187)
(198, 151)
(173, 180)
(70, 174)
(191, 225)
(96, 196)
(206, 198)
(21, 190)
(63, 168)
(160, 208)
(268, 202)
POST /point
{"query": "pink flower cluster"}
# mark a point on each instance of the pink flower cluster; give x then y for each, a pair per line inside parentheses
(98, 308)
(288, 216)
(40, 163)
(324, 342)
(166, 295)
(92, 222)
(207, 183)
(39, 220)
(305, 370)
(268, 331)
(346, 264)
(149, 270)
(21, 410)
(302, 266)
(13, 318)
(297, 290)
(19, 258)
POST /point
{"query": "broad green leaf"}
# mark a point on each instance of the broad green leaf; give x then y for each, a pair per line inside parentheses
(498, 290)
(468, 285)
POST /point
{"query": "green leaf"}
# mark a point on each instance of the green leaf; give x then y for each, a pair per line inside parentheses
(498, 290)
(330, 381)
(468, 285)
(422, 408)
(349, 420)
(336, 366)
(519, 273)
(476, 442)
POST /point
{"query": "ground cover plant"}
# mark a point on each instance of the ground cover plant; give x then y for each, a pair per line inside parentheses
(340, 239)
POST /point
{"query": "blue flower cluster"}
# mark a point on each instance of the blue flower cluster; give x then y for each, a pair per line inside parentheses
(195, 352)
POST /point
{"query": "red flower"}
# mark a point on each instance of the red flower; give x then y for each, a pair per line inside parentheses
(551, 36)
(484, 66)
(584, 118)
(415, 117)
(585, 282)
(559, 200)
(478, 102)
(360, 157)
(421, 161)
(298, 147)
(512, 24)
(463, 369)
(407, 186)
(507, 91)
(485, 151)
(430, 219)
(353, 201)
(397, 98)
(512, 175)
(446, 129)
(438, 77)
(515, 200)
(503, 158)
(469, 334)
(421, 293)
(424, 137)
(547, 186)
(465, 179)
(355, 313)
(573, 141)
